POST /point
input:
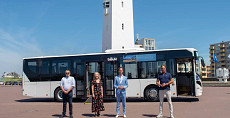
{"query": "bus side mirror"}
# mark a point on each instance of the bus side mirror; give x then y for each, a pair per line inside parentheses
(202, 62)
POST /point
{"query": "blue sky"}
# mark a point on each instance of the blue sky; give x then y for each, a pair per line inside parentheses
(59, 27)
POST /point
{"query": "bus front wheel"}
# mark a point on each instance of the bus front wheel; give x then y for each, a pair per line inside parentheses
(58, 94)
(151, 93)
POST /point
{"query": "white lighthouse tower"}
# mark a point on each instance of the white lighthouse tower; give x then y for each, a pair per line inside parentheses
(118, 31)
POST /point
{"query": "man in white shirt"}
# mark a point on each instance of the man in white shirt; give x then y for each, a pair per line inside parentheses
(67, 85)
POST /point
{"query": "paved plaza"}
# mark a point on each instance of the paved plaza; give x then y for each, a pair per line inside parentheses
(215, 103)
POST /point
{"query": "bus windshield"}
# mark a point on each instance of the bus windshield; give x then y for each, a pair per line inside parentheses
(197, 64)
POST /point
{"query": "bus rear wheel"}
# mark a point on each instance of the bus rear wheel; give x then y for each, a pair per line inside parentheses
(58, 94)
(151, 94)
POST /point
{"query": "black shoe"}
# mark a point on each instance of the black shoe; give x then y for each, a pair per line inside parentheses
(71, 116)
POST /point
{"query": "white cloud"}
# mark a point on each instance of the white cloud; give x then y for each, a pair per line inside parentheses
(14, 47)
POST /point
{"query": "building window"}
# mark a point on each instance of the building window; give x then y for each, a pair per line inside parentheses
(106, 4)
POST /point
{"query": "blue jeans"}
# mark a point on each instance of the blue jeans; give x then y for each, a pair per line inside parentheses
(121, 95)
(67, 98)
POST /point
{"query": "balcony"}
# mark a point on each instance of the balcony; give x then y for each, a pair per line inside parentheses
(223, 59)
(211, 61)
(204, 72)
(223, 64)
(222, 50)
(211, 68)
(222, 46)
(211, 56)
(212, 47)
(212, 64)
(222, 55)
(211, 51)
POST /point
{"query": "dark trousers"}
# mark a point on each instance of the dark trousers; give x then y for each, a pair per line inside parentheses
(67, 98)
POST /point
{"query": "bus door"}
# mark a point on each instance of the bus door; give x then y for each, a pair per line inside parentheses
(110, 73)
(78, 74)
(91, 68)
(185, 77)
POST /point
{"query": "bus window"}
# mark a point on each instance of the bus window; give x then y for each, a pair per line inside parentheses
(58, 69)
(159, 64)
(147, 70)
(63, 66)
(44, 70)
(31, 70)
(32, 66)
(131, 70)
(172, 67)
(185, 67)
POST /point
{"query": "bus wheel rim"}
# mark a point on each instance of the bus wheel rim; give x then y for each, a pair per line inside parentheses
(59, 95)
(153, 93)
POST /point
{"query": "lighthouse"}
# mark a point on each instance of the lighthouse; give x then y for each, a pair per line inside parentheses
(118, 29)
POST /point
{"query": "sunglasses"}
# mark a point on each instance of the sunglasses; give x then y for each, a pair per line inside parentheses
(66, 73)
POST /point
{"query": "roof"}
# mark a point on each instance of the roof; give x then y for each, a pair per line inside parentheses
(220, 43)
(118, 52)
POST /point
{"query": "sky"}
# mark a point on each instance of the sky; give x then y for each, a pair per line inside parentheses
(30, 28)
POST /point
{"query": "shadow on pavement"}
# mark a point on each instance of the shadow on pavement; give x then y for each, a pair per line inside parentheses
(57, 115)
(108, 100)
(88, 115)
(184, 100)
(109, 115)
(153, 116)
(149, 115)
(36, 100)
(45, 100)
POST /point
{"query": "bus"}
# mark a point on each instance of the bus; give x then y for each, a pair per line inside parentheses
(42, 75)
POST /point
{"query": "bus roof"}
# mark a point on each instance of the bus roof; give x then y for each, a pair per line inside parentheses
(118, 52)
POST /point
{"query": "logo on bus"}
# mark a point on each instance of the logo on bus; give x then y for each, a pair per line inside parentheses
(112, 59)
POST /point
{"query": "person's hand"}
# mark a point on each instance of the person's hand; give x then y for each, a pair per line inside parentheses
(65, 92)
(122, 87)
(163, 85)
(119, 87)
(93, 96)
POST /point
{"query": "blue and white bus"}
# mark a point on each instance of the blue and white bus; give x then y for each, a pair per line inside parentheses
(42, 75)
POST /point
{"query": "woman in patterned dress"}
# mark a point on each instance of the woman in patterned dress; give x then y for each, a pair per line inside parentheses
(97, 92)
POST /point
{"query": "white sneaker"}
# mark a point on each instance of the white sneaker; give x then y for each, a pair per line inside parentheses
(117, 116)
(159, 116)
(125, 116)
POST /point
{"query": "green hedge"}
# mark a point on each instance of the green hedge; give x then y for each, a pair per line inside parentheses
(11, 79)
